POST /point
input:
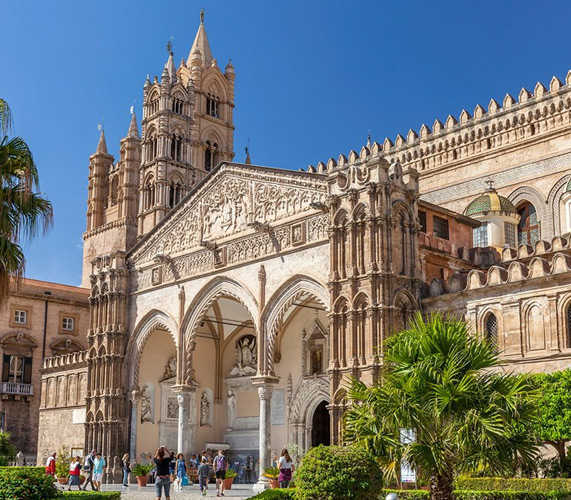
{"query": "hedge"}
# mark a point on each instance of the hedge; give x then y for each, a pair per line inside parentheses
(275, 494)
(518, 484)
(481, 495)
(91, 495)
(30, 483)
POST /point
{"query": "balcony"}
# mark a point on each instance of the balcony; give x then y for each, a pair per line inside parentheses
(16, 388)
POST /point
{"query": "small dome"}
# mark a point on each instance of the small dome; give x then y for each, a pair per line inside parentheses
(488, 202)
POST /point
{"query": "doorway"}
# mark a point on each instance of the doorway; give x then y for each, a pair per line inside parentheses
(320, 425)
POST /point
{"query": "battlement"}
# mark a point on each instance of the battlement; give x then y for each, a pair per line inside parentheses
(65, 361)
(483, 132)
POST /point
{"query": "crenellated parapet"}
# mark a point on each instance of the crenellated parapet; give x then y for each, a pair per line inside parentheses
(71, 360)
(534, 114)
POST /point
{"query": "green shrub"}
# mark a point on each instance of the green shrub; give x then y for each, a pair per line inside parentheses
(30, 483)
(276, 494)
(517, 484)
(509, 495)
(337, 472)
(141, 469)
(91, 495)
(481, 495)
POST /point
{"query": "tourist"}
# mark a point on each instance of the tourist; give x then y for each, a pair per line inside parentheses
(126, 466)
(98, 465)
(51, 464)
(74, 474)
(88, 467)
(180, 471)
(220, 465)
(203, 473)
(172, 466)
(162, 462)
(285, 465)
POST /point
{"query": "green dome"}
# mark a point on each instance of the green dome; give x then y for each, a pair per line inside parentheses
(490, 202)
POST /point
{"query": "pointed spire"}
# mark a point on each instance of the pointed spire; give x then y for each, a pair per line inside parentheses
(248, 160)
(133, 129)
(169, 65)
(201, 44)
(101, 145)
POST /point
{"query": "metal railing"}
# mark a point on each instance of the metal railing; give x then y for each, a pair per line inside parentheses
(16, 388)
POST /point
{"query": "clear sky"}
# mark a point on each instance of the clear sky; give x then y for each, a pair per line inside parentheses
(313, 78)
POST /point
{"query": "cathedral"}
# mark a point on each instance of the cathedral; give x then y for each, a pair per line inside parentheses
(229, 303)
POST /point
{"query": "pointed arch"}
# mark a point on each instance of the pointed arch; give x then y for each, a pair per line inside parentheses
(219, 287)
(277, 306)
(153, 320)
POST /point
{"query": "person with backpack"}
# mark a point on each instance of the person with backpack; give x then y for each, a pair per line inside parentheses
(126, 466)
(74, 474)
(88, 468)
(203, 474)
(51, 465)
(220, 465)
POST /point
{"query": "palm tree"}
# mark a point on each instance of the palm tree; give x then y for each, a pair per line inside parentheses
(444, 384)
(23, 211)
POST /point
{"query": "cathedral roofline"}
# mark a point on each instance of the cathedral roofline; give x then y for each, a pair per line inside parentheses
(208, 178)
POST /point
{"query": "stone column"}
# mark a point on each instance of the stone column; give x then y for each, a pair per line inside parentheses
(265, 387)
(135, 397)
(184, 432)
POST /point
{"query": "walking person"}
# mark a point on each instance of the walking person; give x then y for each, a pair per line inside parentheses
(162, 482)
(203, 474)
(285, 465)
(88, 468)
(98, 465)
(126, 466)
(172, 467)
(51, 464)
(180, 471)
(74, 474)
(220, 465)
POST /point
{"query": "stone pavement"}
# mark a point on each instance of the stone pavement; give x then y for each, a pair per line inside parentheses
(238, 492)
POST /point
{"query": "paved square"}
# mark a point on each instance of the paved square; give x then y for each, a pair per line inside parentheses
(238, 491)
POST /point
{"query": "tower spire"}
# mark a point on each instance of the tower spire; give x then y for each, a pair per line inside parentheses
(101, 145)
(201, 44)
(133, 129)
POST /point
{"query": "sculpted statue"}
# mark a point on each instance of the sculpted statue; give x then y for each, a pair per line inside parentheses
(204, 409)
(170, 368)
(146, 405)
(231, 407)
(246, 357)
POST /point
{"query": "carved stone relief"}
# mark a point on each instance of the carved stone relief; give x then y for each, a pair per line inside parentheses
(204, 409)
(147, 404)
(170, 369)
(246, 357)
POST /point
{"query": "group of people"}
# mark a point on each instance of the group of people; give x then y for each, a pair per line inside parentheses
(92, 466)
(174, 469)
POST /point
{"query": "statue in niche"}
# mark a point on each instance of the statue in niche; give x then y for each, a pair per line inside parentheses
(231, 407)
(204, 409)
(146, 405)
(246, 357)
(170, 369)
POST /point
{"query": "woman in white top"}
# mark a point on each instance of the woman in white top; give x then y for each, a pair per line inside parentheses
(285, 465)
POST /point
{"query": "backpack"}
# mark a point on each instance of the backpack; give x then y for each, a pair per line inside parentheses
(220, 462)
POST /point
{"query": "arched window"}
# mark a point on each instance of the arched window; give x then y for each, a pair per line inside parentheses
(210, 155)
(528, 227)
(568, 336)
(149, 193)
(175, 193)
(176, 148)
(177, 105)
(114, 190)
(491, 328)
(154, 106)
(152, 148)
(212, 105)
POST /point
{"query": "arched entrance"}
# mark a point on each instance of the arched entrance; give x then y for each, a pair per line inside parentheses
(320, 426)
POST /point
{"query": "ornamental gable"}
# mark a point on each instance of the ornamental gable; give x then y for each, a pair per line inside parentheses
(233, 201)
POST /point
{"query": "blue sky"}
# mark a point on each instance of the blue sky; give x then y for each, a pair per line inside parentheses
(313, 78)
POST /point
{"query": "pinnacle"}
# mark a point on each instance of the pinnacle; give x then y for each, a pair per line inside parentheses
(101, 145)
(133, 129)
(201, 44)
(169, 68)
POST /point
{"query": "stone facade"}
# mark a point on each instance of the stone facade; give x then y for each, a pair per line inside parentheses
(39, 319)
(229, 304)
